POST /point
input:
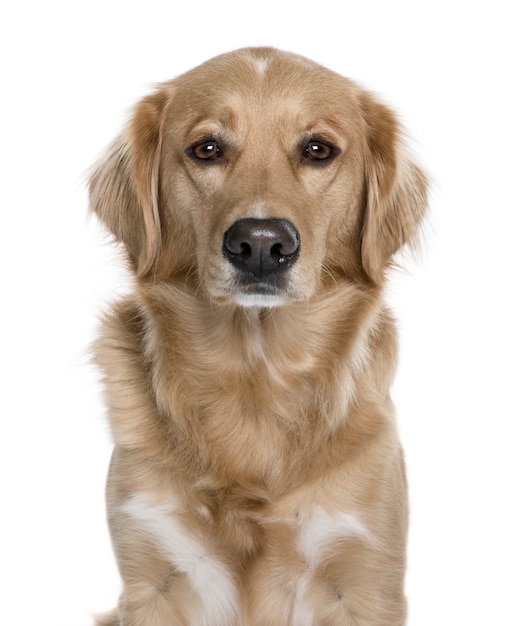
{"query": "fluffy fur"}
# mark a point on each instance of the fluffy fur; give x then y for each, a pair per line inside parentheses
(257, 478)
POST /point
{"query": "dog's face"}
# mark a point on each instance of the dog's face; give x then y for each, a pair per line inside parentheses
(260, 177)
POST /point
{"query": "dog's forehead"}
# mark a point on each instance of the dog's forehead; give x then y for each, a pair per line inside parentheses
(263, 82)
(261, 72)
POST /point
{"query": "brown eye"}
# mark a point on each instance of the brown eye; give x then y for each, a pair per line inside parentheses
(206, 151)
(319, 151)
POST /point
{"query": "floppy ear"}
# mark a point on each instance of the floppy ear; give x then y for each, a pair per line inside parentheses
(124, 185)
(396, 191)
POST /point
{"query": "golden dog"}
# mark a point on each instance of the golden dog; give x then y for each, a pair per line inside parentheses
(257, 477)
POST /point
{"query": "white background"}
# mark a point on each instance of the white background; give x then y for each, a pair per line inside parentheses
(69, 73)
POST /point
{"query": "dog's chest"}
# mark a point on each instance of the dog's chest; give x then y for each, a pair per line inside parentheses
(256, 426)
(249, 400)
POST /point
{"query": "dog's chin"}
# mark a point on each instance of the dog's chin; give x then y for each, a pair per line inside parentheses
(259, 300)
(253, 298)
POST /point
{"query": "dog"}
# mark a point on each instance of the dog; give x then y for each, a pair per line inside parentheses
(257, 478)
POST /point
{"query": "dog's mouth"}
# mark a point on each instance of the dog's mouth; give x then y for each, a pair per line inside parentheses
(246, 290)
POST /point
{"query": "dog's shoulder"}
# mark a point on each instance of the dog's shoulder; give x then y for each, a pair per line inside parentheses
(120, 353)
(122, 333)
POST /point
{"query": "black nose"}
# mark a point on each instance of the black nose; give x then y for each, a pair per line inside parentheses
(261, 247)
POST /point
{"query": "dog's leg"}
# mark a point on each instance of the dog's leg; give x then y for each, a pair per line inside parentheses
(324, 569)
(170, 571)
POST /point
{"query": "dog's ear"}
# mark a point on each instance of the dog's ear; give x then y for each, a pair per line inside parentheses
(396, 191)
(124, 185)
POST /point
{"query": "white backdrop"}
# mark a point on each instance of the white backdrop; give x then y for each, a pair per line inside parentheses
(70, 72)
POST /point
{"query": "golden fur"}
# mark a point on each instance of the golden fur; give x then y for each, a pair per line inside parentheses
(254, 434)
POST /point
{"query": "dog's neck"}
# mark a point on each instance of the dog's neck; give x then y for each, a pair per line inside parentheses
(214, 342)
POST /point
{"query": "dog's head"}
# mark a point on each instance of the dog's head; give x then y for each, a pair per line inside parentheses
(259, 177)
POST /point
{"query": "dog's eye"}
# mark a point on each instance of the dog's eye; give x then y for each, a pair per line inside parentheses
(206, 151)
(319, 151)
